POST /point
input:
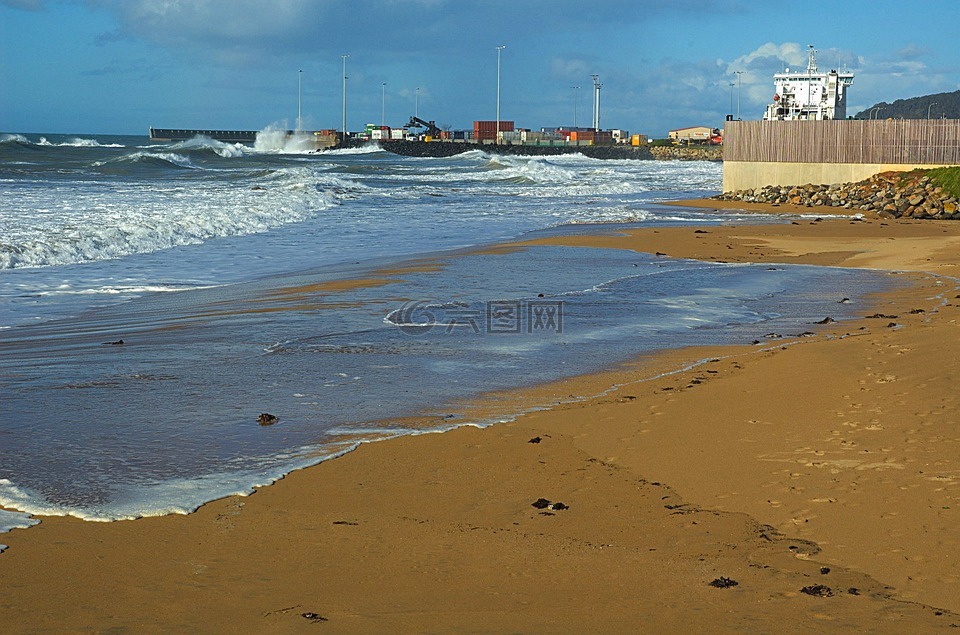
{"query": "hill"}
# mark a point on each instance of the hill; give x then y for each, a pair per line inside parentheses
(946, 105)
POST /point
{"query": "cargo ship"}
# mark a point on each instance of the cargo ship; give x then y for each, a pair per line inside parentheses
(809, 95)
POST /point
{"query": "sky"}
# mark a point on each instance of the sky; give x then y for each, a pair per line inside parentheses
(122, 66)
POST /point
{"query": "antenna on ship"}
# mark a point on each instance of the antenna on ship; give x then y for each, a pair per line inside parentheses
(812, 62)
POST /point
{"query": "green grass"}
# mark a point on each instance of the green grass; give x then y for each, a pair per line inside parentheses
(948, 179)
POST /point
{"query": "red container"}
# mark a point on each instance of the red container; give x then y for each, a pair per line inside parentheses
(491, 126)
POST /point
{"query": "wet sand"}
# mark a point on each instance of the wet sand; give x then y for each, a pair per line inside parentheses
(796, 485)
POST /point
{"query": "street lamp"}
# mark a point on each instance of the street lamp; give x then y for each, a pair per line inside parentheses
(300, 94)
(499, 49)
(739, 86)
(596, 102)
(416, 103)
(732, 84)
(344, 58)
(929, 107)
(383, 103)
(575, 88)
(877, 109)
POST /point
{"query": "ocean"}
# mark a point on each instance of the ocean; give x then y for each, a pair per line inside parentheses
(156, 299)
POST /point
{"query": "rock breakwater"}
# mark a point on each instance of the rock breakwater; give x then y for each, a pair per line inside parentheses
(687, 153)
(888, 194)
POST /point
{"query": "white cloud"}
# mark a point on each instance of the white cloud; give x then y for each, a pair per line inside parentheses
(217, 19)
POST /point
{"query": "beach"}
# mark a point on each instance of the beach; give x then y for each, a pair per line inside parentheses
(802, 482)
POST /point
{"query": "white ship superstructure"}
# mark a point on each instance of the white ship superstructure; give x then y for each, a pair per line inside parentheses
(809, 95)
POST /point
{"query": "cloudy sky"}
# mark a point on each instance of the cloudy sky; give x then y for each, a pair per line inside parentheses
(121, 66)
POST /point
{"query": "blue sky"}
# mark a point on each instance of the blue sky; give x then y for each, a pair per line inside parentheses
(121, 66)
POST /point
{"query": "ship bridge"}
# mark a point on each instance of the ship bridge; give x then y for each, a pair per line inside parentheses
(810, 94)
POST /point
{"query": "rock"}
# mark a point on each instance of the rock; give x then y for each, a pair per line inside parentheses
(267, 419)
(889, 195)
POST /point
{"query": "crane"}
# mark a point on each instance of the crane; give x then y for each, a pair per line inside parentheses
(417, 122)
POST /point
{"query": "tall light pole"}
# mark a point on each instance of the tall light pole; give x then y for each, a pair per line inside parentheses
(596, 101)
(383, 102)
(929, 107)
(499, 50)
(575, 89)
(344, 58)
(732, 84)
(416, 104)
(739, 86)
(300, 94)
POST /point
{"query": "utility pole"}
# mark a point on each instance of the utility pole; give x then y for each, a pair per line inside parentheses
(739, 86)
(300, 94)
(344, 58)
(499, 49)
(575, 89)
(383, 103)
(596, 102)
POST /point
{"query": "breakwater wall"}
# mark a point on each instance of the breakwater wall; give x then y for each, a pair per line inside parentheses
(888, 195)
(450, 148)
(687, 153)
(762, 153)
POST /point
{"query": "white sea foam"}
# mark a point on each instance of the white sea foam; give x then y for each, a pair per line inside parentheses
(89, 224)
(124, 290)
(226, 150)
(15, 520)
(276, 140)
(78, 142)
(170, 496)
(13, 138)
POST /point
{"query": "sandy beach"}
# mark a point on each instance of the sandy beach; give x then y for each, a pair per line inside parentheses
(798, 484)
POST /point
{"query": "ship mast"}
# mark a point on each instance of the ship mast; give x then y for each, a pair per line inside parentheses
(812, 60)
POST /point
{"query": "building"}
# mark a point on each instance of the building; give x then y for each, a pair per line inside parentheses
(694, 135)
(809, 95)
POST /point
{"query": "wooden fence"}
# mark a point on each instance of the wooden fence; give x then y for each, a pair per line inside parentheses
(928, 141)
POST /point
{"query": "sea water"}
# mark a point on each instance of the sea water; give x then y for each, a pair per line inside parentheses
(155, 299)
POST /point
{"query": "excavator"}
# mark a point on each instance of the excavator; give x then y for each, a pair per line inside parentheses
(417, 122)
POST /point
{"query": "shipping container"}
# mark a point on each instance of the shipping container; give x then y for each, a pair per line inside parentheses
(491, 126)
(582, 135)
(397, 134)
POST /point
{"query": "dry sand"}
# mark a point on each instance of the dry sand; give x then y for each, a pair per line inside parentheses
(821, 474)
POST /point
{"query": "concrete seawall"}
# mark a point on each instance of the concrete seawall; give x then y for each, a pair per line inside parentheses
(762, 153)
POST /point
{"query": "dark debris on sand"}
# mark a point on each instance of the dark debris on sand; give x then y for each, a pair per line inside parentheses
(818, 590)
(724, 583)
